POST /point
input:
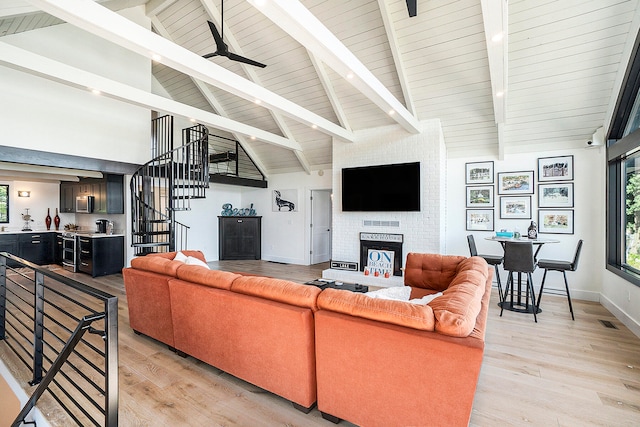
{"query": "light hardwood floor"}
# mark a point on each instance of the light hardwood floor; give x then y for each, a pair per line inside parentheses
(556, 372)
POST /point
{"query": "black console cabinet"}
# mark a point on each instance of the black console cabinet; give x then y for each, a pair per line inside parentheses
(239, 237)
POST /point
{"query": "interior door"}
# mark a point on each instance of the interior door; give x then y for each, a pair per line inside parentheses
(320, 226)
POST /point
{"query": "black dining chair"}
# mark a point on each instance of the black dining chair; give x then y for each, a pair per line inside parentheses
(563, 266)
(494, 260)
(518, 258)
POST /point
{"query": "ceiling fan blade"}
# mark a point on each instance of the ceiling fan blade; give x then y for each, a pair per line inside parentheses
(210, 55)
(216, 36)
(239, 58)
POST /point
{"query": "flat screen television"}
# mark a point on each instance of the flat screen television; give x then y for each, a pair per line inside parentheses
(381, 188)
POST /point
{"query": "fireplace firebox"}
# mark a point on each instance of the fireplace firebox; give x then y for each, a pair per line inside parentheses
(384, 242)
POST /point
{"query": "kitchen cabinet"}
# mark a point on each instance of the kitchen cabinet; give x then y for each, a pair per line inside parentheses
(67, 197)
(9, 243)
(108, 193)
(239, 237)
(100, 256)
(37, 247)
(34, 247)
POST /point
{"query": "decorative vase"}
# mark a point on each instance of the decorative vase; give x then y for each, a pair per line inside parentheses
(47, 220)
(532, 231)
(56, 220)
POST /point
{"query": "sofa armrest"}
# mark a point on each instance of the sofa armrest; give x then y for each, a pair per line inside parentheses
(156, 264)
(388, 311)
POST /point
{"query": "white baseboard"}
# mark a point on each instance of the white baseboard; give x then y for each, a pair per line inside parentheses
(621, 315)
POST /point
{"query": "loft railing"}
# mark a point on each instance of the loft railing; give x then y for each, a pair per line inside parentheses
(66, 334)
(227, 158)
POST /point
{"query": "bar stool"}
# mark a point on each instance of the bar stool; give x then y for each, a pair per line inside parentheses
(563, 266)
(494, 260)
(518, 258)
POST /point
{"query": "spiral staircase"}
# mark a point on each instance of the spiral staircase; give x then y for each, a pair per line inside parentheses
(166, 185)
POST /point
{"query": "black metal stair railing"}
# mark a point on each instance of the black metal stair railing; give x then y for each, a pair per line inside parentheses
(167, 184)
(44, 320)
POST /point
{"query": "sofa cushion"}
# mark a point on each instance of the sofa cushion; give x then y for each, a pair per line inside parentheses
(156, 264)
(457, 309)
(278, 290)
(205, 276)
(191, 260)
(431, 271)
(389, 311)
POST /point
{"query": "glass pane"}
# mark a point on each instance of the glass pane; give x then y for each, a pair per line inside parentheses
(4, 203)
(632, 201)
(634, 117)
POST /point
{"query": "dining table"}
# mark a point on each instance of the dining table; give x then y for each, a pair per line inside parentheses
(518, 306)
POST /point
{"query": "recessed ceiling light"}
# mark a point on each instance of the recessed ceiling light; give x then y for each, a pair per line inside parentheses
(257, 101)
(314, 126)
(391, 112)
(497, 37)
(95, 91)
(499, 94)
(192, 120)
(156, 57)
(253, 138)
(349, 75)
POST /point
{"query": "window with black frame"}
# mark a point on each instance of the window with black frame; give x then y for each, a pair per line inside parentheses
(623, 178)
(4, 203)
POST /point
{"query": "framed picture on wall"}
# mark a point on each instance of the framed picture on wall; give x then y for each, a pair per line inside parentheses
(479, 173)
(515, 207)
(559, 195)
(555, 221)
(480, 196)
(480, 219)
(555, 168)
(514, 183)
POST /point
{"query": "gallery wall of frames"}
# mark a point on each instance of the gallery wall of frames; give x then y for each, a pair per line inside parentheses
(514, 193)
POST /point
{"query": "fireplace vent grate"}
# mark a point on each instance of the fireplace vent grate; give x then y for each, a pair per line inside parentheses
(374, 223)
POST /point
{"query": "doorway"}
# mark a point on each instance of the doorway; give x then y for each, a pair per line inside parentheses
(320, 226)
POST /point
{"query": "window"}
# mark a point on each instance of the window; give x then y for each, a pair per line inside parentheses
(4, 203)
(623, 178)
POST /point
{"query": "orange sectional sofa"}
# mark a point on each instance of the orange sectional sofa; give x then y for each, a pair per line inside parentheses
(373, 362)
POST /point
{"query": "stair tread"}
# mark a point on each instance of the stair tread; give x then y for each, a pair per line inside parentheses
(149, 245)
(151, 233)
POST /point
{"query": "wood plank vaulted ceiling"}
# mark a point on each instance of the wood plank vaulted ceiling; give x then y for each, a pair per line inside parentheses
(335, 67)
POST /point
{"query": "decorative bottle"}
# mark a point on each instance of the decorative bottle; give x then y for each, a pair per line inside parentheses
(56, 220)
(47, 220)
(532, 231)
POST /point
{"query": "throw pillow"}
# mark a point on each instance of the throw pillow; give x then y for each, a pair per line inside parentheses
(397, 293)
(195, 261)
(425, 299)
(180, 257)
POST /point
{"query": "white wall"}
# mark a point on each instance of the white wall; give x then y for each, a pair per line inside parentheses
(286, 235)
(423, 231)
(43, 196)
(589, 212)
(43, 115)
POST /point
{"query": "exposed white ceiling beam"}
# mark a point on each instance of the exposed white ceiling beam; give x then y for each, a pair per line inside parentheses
(154, 7)
(395, 52)
(329, 90)
(216, 17)
(32, 63)
(97, 20)
(495, 18)
(297, 21)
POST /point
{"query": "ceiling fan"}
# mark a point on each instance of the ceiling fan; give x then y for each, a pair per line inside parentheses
(221, 47)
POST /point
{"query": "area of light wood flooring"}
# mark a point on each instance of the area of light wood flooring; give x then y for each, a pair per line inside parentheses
(556, 372)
